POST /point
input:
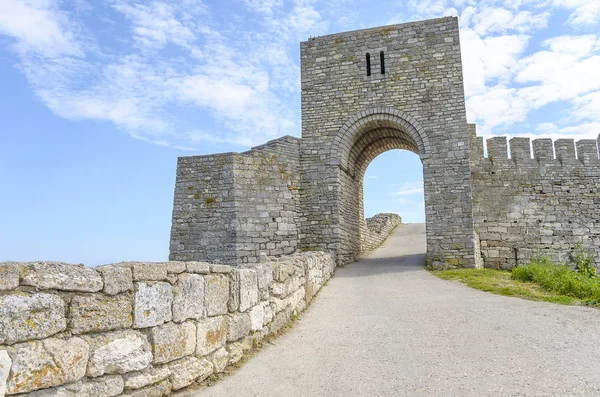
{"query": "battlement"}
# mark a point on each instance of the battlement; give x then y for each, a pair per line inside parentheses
(542, 151)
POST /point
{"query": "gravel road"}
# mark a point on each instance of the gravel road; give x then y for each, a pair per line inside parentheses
(383, 326)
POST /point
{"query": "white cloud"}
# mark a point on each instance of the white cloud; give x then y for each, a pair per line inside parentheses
(410, 188)
(39, 27)
(585, 12)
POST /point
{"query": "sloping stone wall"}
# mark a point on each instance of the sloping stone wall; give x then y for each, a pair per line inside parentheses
(139, 328)
(376, 229)
(540, 204)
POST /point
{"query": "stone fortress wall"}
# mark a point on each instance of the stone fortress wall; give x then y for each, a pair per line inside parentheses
(307, 193)
(543, 203)
(141, 329)
(376, 229)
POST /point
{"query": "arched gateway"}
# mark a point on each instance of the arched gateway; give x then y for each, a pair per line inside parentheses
(363, 93)
(350, 115)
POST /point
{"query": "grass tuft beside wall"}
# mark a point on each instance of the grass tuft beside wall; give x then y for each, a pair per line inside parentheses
(559, 279)
(539, 280)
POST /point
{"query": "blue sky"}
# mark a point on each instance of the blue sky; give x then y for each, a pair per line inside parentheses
(99, 98)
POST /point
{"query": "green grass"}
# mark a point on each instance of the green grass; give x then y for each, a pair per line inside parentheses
(502, 282)
(559, 279)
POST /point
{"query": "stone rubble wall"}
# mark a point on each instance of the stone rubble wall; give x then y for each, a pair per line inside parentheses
(526, 205)
(141, 328)
(376, 229)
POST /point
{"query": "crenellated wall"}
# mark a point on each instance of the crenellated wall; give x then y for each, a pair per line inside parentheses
(543, 202)
(139, 328)
(376, 229)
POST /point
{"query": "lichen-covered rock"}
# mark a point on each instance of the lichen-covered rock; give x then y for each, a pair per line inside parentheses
(216, 294)
(172, 341)
(5, 363)
(264, 274)
(211, 335)
(236, 352)
(187, 370)
(118, 352)
(148, 271)
(220, 360)
(98, 312)
(61, 276)
(9, 275)
(220, 268)
(175, 267)
(197, 267)
(117, 278)
(42, 364)
(158, 390)
(257, 316)
(149, 376)
(106, 386)
(238, 326)
(188, 298)
(248, 289)
(25, 317)
(152, 304)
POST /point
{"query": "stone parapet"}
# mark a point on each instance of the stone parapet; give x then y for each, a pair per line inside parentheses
(141, 328)
(376, 229)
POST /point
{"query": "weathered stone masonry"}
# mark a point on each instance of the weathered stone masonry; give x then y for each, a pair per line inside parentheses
(348, 118)
(141, 329)
(307, 193)
(535, 205)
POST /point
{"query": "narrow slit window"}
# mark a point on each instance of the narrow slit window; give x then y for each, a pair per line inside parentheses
(382, 62)
(368, 64)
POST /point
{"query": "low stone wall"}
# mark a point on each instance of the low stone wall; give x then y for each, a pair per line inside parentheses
(376, 229)
(139, 328)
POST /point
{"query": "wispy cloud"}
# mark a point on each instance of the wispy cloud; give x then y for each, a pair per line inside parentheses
(410, 188)
(169, 65)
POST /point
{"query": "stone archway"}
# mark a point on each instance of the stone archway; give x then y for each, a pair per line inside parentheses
(352, 110)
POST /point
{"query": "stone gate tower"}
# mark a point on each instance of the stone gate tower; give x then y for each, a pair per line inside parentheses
(363, 93)
(369, 91)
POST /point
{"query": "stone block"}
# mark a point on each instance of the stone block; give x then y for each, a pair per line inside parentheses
(152, 304)
(172, 341)
(98, 312)
(9, 275)
(158, 390)
(188, 298)
(216, 294)
(176, 267)
(148, 271)
(220, 360)
(25, 317)
(186, 371)
(233, 304)
(149, 376)
(118, 352)
(106, 386)
(248, 289)
(211, 335)
(236, 352)
(238, 326)
(257, 316)
(61, 276)
(220, 269)
(47, 363)
(198, 267)
(5, 364)
(117, 279)
(264, 273)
